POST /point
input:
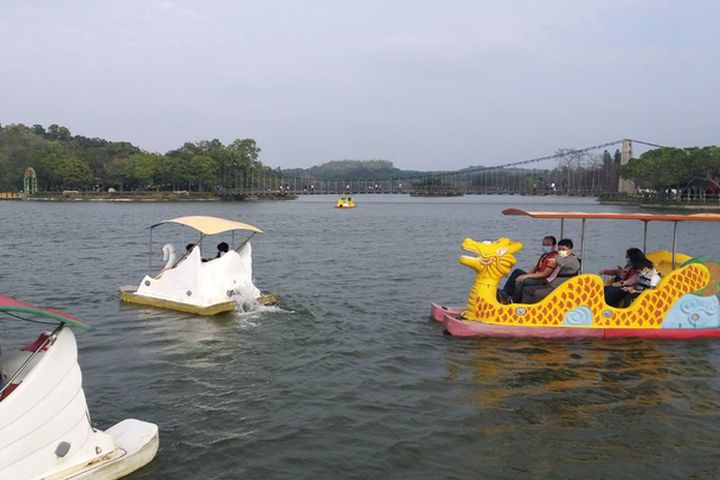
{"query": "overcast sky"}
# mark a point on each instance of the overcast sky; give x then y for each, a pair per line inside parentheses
(424, 84)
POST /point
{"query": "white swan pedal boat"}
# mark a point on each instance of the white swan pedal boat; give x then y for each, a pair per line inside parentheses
(195, 285)
(45, 428)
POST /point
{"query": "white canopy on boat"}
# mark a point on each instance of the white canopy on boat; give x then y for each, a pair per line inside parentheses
(209, 225)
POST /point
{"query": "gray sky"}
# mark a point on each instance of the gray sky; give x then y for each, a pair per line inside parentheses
(427, 85)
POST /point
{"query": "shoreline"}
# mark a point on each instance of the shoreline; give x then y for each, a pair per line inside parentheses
(146, 197)
(664, 206)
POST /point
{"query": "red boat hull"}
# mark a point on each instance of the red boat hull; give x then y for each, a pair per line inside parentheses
(456, 326)
(437, 311)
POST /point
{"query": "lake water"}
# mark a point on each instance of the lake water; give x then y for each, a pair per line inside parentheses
(350, 379)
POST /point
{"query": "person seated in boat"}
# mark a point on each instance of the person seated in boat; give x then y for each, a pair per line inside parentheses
(222, 249)
(621, 274)
(188, 250)
(565, 265)
(648, 278)
(518, 279)
(625, 276)
(340, 202)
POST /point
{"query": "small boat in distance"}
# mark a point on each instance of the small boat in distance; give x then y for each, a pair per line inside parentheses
(683, 305)
(197, 285)
(45, 426)
(345, 202)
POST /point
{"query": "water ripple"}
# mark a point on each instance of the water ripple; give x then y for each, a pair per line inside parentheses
(348, 378)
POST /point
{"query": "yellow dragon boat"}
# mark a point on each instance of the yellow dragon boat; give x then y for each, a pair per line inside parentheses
(684, 304)
(345, 203)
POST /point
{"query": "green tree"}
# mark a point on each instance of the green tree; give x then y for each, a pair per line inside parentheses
(18, 144)
(6, 183)
(204, 171)
(74, 173)
(63, 161)
(56, 132)
(136, 171)
(678, 168)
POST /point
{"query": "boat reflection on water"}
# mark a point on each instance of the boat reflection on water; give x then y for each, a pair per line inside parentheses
(585, 377)
(599, 406)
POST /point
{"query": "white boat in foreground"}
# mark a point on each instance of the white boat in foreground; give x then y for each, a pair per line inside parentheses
(45, 427)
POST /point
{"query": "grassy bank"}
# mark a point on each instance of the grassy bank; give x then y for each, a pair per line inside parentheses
(696, 202)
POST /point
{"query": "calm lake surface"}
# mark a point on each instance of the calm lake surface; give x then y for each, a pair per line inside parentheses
(350, 379)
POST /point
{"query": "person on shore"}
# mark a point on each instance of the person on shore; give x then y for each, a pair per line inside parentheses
(518, 279)
(565, 265)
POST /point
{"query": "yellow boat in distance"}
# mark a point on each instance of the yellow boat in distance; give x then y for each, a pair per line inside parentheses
(345, 202)
(197, 285)
(683, 305)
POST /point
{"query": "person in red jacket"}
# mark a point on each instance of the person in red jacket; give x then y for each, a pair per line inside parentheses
(518, 279)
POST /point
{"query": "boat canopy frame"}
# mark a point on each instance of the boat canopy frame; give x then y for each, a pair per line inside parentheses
(206, 225)
(10, 306)
(643, 217)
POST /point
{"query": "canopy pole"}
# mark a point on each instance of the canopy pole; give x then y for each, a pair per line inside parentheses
(562, 229)
(675, 223)
(645, 227)
(150, 252)
(48, 339)
(246, 241)
(582, 245)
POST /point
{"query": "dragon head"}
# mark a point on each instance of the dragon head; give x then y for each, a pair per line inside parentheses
(491, 259)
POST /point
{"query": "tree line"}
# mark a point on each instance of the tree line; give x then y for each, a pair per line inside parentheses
(679, 169)
(65, 161)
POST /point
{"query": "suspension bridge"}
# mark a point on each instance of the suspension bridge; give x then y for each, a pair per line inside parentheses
(587, 171)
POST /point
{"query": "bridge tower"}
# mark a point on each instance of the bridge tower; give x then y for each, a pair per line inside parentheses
(626, 186)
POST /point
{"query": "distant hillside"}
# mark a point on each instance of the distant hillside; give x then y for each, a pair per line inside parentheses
(353, 170)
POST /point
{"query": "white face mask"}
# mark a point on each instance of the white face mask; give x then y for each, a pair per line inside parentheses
(547, 248)
(563, 253)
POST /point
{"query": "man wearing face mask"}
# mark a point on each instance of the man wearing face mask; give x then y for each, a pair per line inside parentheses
(564, 266)
(512, 291)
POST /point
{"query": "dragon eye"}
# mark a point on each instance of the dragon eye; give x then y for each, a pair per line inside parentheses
(502, 251)
(486, 242)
